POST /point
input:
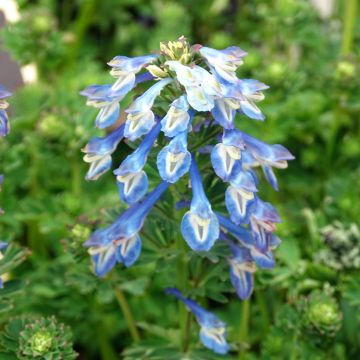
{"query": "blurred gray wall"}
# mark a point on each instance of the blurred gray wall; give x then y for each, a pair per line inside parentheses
(10, 75)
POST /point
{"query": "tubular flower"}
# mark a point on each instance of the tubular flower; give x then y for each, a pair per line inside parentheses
(191, 108)
(213, 330)
(98, 152)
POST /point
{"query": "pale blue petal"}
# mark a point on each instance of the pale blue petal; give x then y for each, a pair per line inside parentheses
(174, 160)
(244, 179)
(133, 187)
(105, 260)
(105, 145)
(240, 204)
(200, 233)
(244, 236)
(145, 102)
(263, 259)
(251, 110)
(198, 99)
(99, 167)
(122, 86)
(214, 340)
(243, 282)
(177, 118)
(224, 113)
(134, 65)
(270, 176)
(138, 124)
(226, 160)
(199, 226)
(129, 250)
(108, 115)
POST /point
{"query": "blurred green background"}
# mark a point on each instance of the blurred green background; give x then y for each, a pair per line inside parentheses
(308, 52)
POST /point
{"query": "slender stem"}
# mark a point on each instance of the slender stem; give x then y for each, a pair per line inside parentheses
(244, 327)
(86, 16)
(182, 275)
(265, 319)
(350, 12)
(127, 313)
(76, 180)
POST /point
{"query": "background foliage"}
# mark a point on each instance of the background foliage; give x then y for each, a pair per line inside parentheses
(308, 306)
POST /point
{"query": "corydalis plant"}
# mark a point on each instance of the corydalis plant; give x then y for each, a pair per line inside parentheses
(193, 88)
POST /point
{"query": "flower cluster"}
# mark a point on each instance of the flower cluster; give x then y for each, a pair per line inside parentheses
(200, 88)
(4, 130)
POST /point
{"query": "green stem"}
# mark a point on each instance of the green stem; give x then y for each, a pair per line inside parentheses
(86, 16)
(127, 314)
(106, 350)
(182, 275)
(265, 319)
(244, 327)
(350, 12)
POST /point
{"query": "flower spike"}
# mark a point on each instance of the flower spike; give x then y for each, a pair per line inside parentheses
(196, 92)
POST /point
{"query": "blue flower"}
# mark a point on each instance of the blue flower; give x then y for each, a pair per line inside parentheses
(251, 92)
(107, 97)
(242, 268)
(226, 160)
(98, 152)
(177, 118)
(174, 160)
(4, 121)
(131, 179)
(262, 223)
(140, 117)
(224, 111)
(242, 234)
(120, 242)
(199, 226)
(268, 156)
(213, 330)
(99, 97)
(125, 69)
(201, 87)
(223, 63)
(240, 204)
(262, 154)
